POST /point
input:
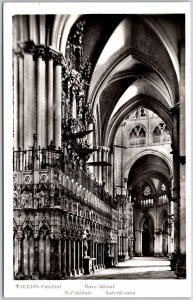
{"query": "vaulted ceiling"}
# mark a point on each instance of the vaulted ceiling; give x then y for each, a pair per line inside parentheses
(147, 169)
(132, 53)
(135, 61)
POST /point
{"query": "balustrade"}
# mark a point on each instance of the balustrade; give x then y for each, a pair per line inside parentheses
(38, 159)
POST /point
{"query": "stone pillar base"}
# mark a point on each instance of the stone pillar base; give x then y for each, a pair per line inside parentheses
(181, 266)
(69, 273)
(88, 265)
(78, 271)
(35, 276)
(19, 276)
(64, 276)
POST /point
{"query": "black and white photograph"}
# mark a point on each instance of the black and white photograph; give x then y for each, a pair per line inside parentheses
(98, 150)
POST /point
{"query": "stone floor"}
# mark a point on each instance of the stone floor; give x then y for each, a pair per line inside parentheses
(136, 268)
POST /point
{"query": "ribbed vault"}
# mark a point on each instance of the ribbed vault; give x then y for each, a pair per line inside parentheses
(149, 166)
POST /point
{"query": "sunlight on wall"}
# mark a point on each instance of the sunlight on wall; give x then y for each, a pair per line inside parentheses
(116, 42)
(128, 94)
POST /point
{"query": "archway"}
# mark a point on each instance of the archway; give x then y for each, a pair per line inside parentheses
(147, 237)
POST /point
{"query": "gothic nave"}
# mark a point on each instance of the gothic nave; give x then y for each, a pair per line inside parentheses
(99, 143)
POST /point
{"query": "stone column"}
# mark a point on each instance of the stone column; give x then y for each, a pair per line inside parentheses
(122, 244)
(99, 168)
(21, 102)
(105, 169)
(50, 132)
(90, 142)
(175, 187)
(81, 257)
(16, 258)
(109, 173)
(36, 255)
(69, 272)
(126, 248)
(91, 248)
(57, 105)
(64, 259)
(98, 248)
(73, 257)
(103, 261)
(156, 242)
(119, 245)
(59, 255)
(16, 103)
(171, 245)
(138, 243)
(78, 256)
(19, 238)
(116, 253)
(181, 263)
(28, 100)
(159, 246)
(41, 103)
(41, 255)
(25, 255)
(31, 255)
(100, 255)
(96, 255)
(47, 254)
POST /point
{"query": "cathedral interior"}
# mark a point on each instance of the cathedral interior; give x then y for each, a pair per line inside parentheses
(99, 142)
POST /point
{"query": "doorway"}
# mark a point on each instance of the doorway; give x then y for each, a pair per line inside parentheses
(165, 237)
(147, 238)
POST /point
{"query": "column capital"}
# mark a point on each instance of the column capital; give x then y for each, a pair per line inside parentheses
(57, 57)
(40, 51)
(104, 148)
(19, 235)
(18, 52)
(27, 47)
(174, 111)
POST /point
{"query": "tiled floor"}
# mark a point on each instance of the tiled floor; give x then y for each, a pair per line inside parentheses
(136, 268)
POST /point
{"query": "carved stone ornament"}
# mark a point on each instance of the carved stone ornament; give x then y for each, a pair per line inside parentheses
(27, 47)
(39, 51)
(15, 178)
(44, 177)
(14, 200)
(26, 199)
(44, 223)
(56, 175)
(27, 178)
(43, 198)
(27, 227)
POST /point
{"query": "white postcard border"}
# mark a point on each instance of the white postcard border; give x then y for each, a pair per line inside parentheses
(71, 288)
